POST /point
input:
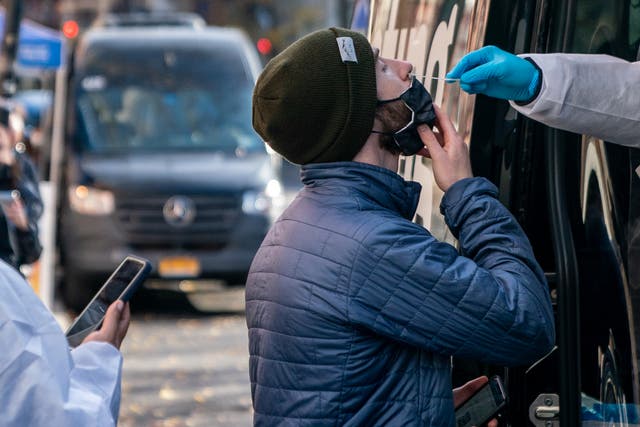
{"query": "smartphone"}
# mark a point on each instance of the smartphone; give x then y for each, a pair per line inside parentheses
(483, 405)
(122, 284)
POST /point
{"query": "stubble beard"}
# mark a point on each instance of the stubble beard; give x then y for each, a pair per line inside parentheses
(393, 116)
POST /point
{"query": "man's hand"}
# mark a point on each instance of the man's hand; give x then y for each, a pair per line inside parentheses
(115, 325)
(461, 394)
(448, 151)
(494, 72)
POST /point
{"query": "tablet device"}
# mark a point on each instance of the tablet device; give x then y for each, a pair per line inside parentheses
(122, 283)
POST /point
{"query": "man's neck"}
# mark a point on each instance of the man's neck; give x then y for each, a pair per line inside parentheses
(373, 154)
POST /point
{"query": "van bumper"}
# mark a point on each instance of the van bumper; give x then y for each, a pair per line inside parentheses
(95, 246)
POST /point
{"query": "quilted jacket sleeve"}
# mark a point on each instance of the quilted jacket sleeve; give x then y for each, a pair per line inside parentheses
(489, 303)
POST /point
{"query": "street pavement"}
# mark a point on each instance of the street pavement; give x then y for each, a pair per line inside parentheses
(183, 368)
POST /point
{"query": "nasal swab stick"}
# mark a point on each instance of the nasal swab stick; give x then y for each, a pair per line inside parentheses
(438, 78)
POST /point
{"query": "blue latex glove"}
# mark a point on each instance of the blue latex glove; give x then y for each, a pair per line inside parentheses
(494, 72)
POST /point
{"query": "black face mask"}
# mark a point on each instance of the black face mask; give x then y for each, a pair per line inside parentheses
(419, 101)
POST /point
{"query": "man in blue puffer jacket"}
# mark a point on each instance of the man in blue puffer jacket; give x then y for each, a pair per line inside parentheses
(353, 310)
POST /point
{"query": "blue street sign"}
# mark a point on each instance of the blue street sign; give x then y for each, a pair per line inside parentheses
(360, 19)
(38, 46)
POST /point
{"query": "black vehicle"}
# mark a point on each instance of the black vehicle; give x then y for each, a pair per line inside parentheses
(578, 198)
(161, 159)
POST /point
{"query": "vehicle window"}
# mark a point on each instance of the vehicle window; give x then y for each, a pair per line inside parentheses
(634, 26)
(181, 99)
(609, 27)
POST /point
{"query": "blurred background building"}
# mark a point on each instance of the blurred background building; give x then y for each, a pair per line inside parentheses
(276, 23)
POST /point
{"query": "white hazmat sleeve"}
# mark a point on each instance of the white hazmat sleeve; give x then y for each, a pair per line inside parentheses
(597, 95)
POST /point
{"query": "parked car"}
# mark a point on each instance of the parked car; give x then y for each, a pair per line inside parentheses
(161, 159)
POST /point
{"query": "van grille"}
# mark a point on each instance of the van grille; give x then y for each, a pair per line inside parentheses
(142, 221)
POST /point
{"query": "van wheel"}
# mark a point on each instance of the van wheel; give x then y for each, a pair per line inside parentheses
(77, 291)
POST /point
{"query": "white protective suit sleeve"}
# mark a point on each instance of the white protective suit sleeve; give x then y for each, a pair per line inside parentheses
(43, 383)
(597, 95)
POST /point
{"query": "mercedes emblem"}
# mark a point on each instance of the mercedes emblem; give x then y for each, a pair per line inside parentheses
(179, 211)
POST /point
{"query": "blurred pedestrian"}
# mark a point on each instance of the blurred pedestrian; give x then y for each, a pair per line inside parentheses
(596, 95)
(33, 107)
(20, 201)
(43, 383)
(353, 310)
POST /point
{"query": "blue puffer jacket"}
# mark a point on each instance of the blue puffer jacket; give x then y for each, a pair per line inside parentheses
(354, 311)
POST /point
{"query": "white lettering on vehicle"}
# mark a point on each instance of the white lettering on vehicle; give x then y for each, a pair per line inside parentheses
(429, 54)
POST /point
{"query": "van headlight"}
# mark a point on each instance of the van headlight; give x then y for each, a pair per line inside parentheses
(90, 201)
(263, 202)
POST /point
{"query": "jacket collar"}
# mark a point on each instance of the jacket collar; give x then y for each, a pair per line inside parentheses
(380, 185)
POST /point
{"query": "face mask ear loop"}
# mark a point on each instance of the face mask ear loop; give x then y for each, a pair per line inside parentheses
(394, 133)
(382, 102)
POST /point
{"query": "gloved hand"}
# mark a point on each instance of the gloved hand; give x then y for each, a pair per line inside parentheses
(494, 72)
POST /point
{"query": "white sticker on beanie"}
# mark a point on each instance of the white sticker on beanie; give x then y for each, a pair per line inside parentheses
(347, 51)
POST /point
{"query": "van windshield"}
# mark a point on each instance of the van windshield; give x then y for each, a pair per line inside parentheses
(165, 99)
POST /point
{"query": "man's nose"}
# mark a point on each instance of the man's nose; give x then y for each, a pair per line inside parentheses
(405, 69)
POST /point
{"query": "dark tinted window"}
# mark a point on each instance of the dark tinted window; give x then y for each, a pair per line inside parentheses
(606, 26)
(158, 98)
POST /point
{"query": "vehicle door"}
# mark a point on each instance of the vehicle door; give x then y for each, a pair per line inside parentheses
(575, 197)
(593, 191)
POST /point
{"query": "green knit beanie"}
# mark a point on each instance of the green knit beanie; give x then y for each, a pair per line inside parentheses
(315, 101)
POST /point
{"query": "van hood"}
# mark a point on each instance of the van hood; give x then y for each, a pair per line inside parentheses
(170, 172)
